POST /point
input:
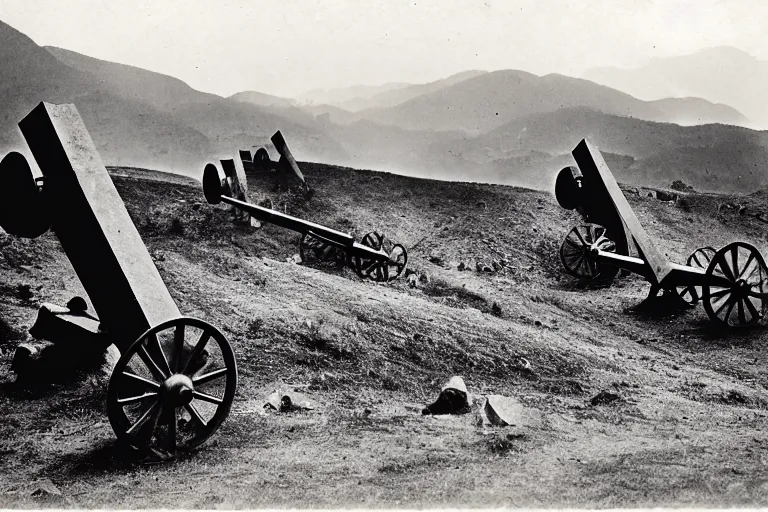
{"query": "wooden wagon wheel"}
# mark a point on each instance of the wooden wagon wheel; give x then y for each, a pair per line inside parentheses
(380, 271)
(744, 301)
(314, 251)
(373, 239)
(166, 394)
(576, 252)
(700, 258)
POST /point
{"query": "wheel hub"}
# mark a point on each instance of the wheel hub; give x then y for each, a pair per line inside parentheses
(177, 389)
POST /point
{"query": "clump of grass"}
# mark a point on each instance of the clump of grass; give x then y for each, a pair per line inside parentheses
(502, 443)
(437, 287)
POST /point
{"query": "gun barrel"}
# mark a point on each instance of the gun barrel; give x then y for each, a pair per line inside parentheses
(286, 221)
(302, 226)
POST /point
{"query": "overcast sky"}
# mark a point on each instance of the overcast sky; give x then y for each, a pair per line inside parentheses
(286, 47)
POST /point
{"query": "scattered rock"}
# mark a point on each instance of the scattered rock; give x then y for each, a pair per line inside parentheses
(503, 411)
(44, 489)
(496, 266)
(605, 398)
(286, 400)
(453, 399)
(488, 269)
(523, 363)
(255, 223)
(296, 258)
(436, 257)
(413, 280)
(462, 266)
(479, 266)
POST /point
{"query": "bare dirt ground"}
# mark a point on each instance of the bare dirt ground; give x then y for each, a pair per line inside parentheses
(688, 427)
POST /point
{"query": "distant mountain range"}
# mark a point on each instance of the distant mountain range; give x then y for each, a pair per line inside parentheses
(506, 126)
(721, 75)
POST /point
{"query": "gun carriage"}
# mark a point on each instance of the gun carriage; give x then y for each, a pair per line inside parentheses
(175, 381)
(730, 282)
(375, 258)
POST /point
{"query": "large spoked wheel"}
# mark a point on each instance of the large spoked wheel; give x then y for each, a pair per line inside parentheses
(737, 294)
(381, 270)
(700, 258)
(314, 251)
(173, 387)
(577, 257)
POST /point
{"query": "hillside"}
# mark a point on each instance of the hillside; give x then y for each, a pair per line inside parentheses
(263, 100)
(398, 95)
(138, 117)
(341, 95)
(710, 157)
(228, 124)
(721, 75)
(687, 426)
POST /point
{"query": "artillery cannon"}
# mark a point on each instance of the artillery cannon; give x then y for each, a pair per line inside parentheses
(175, 381)
(376, 258)
(730, 282)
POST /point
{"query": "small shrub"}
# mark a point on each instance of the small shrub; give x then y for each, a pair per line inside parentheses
(681, 186)
(255, 327)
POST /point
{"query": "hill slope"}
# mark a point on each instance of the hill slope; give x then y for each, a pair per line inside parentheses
(229, 124)
(609, 397)
(709, 157)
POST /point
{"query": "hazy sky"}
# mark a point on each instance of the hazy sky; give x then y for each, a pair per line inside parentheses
(286, 47)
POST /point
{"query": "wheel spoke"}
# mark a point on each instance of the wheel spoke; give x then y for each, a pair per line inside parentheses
(196, 414)
(730, 310)
(726, 270)
(719, 293)
(752, 309)
(740, 312)
(152, 384)
(199, 347)
(163, 365)
(152, 411)
(576, 230)
(211, 376)
(172, 430)
(151, 364)
(134, 399)
(178, 346)
(727, 301)
(205, 397)
(746, 266)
